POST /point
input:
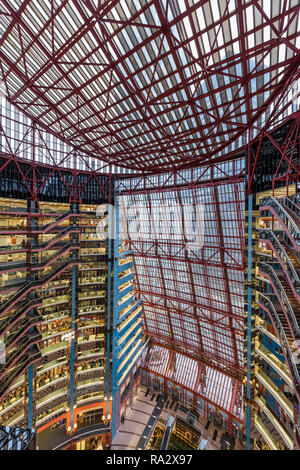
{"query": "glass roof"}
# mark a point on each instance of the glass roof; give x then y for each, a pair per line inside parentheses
(149, 84)
(193, 298)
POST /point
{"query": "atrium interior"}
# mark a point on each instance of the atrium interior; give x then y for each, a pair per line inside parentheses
(149, 225)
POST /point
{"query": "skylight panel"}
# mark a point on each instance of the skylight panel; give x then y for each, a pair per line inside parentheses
(234, 27)
(125, 8)
(236, 47)
(249, 18)
(206, 43)
(267, 7)
(282, 52)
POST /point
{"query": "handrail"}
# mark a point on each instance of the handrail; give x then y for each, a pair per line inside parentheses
(290, 204)
(4, 323)
(50, 258)
(37, 283)
(265, 433)
(14, 354)
(290, 358)
(44, 228)
(280, 396)
(275, 421)
(295, 198)
(22, 344)
(51, 242)
(7, 381)
(271, 237)
(10, 265)
(283, 215)
(266, 268)
(21, 327)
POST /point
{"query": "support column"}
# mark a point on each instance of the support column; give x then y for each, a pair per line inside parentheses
(30, 376)
(249, 324)
(73, 347)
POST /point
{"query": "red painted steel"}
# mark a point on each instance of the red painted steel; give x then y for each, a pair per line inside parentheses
(158, 85)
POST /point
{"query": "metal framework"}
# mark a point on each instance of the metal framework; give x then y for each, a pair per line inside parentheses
(149, 85)
(194, 381)
(273, 158)
(173, 91)
(193, 298)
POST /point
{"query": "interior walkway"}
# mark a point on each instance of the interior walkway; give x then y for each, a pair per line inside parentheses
(130, 435)
(133, 428)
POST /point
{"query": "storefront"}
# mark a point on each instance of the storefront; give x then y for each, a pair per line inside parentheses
(92, 443)
(125, 399)
(89, 418)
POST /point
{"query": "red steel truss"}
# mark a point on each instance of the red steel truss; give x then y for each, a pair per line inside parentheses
(193, 299)
(149, 85)
(287, 162)
(35, 180)
(193, 380)
(171, 89)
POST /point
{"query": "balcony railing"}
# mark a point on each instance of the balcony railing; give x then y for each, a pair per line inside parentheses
(282, 255)
(21, 328)
(54, 241)
(275, 422)
(266, 302)
(25, 306)
(274, 362)
(57, 220)
(29, 357)
(20, 347)
(285, 218)
(269, 271)
(291, 204)
(16, 296)
(265, 433)
(275, 392)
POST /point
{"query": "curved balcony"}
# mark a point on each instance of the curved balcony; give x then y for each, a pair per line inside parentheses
(21, 328)
(90, 353)
(275, 422)
(55, 241)
(51, 392)
(293, 205)
(265, 433)
(287, 221)
(46, 383)
(18, 349)
(280, 397)
(54, 348)
(55, 411)
(267, 236)
(51, 400)
(94, 384)
(94, 338)
(10, 321)
(274, 362)
(285, 337)
(10, 409)
(89, 397)
(53, 224)
(97, 373)
(15, 418)
(30, 356)
(267, 271)
(65, 249)
(30, 285)
(47, 366)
